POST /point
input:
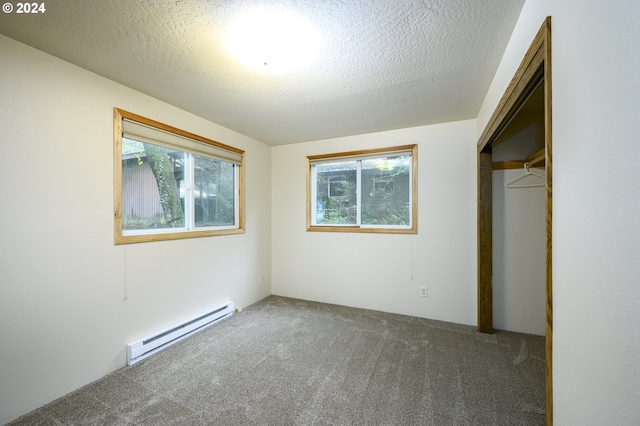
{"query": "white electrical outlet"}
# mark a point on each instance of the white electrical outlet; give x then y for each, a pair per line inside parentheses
(424, 292)
(261, 279)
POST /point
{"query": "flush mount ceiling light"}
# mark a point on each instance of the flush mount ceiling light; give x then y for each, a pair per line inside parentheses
(276, 41)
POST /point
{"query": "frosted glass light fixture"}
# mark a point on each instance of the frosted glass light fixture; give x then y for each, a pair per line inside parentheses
(276, 41)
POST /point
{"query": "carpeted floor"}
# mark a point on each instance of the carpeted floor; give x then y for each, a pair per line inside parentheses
(292, 362)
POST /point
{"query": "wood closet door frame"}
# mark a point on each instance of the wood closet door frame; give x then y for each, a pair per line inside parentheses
(534, 69)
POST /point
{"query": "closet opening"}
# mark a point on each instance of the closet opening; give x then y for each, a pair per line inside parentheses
(518, 221)
(528, 94)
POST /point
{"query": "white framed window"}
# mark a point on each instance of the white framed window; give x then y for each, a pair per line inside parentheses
(363, 191)
(170, 184)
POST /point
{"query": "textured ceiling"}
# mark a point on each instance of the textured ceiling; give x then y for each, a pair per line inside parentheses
(381, 64)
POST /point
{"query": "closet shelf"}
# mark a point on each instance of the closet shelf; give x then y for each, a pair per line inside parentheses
(534, 160)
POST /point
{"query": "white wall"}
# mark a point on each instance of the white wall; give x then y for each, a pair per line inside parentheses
(519, 255)
(377, 271)
(596, 236)
(519, 231)
(64, 320)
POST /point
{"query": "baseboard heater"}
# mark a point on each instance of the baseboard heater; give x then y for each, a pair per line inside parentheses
(143, 348)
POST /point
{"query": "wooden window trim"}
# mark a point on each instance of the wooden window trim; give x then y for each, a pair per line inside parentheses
(119, 238)
(355, 228)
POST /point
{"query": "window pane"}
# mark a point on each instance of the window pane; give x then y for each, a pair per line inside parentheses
(386, 191)
(214, 192)
(151, 186)
(336, 200)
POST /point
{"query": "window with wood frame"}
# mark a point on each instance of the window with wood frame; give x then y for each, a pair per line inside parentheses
(363, 191)
(172, 184)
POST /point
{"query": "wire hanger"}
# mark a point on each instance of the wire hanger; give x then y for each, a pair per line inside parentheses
(526, 173)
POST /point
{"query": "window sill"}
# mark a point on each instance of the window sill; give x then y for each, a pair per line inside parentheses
(145, 238)
(362, 230)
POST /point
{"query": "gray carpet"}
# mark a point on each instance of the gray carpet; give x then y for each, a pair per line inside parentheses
(292, 362)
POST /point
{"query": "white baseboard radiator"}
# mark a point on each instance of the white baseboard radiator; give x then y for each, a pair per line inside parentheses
(143, 348)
